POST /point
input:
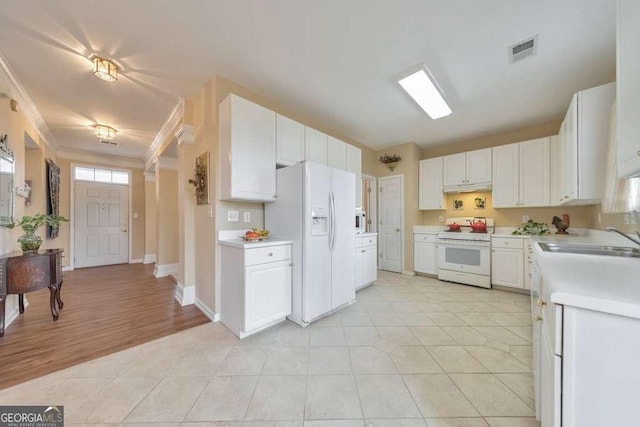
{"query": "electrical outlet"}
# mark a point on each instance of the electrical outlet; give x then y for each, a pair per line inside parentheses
(525, 218)
(626, 219)
(440, 219)
(247, 217)
(233, 216)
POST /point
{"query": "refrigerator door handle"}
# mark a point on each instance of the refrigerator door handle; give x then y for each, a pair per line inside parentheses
(330, 222)
(332, 208)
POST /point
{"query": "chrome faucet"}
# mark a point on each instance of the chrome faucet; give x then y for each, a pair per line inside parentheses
(636, 241)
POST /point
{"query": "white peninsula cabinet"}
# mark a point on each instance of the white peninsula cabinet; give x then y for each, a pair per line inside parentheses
(521, 174)
(470, 170)
(315, 146)
(255, 285)
(247, 151)
(430, 194)
(366, 260)
(425, 253)
(587, 320)
(628, 90)
(583, 139)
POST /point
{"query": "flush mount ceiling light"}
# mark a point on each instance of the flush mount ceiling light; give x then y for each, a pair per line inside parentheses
(105, 69)
(423, 88)
(106, 133)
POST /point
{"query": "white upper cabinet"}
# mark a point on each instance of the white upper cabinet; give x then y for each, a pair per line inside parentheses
(521, 174)
(336, 153)
(535, 170)
(506, 171)
(353, 162)
(290, 141)
(431, 195)
(315, 143)
(247, 151)
(583, 138)
(628, 91)
(467, 170)
(454, 172)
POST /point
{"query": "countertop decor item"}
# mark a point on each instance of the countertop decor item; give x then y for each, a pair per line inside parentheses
(391, 160)
(561, 224)
(200, 179)
(531, 228)
(30, 242)
(256, 234)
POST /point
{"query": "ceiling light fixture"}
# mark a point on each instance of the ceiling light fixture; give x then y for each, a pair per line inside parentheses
(424, 89)
(106, 133)
(105, 69)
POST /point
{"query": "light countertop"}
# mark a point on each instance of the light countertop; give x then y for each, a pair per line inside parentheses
(370, 234)
(234, 238)
(428, 229)
(602, 283)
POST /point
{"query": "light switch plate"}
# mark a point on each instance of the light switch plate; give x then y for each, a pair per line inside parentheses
(247, 217)
(233, 216)
(210, 211)
(440, 219)
(135, 215)
(525, 218)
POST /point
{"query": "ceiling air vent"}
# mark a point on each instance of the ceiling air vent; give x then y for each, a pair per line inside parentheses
(104, 141)
(523, 49)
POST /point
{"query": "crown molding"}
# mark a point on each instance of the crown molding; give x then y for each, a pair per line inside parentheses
(185, 134)
(26, 105)
(100, 159)
(166, 130)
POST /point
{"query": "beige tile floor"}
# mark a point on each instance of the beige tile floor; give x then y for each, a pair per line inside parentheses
(412, 351)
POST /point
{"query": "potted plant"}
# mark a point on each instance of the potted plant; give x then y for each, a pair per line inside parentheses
(390, 160)
(30, 242)
(531, 228)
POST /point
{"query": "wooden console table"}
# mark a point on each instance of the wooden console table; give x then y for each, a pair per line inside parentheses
(20, 274)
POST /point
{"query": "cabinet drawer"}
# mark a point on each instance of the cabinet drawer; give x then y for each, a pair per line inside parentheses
(362, 242)
(425, 238)
(506, 242)
(267, 254)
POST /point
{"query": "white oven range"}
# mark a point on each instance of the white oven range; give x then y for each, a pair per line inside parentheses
(464, 256)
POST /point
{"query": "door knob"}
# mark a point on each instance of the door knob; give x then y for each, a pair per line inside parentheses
(124, 231)
(397, 229)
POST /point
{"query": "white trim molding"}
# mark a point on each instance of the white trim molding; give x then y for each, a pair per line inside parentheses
(67, 268)
(149, 258)
(214, 317)
(168, 127)
(167, 163)
(165, 270)
(185, 134)
(408, 273)
(149, 176)
(185, 295)
(26, 104)
(135, 261)
(101, 159)
(13, 315)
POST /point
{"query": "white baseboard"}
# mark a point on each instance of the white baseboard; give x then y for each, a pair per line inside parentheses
(207, 311)
(408, 273)
(135, 261)
(165, 270)
(149, 258)
(67, 268)
(185, 295)
(13, 315)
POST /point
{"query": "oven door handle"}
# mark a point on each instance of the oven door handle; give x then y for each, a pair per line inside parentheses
(453, 242)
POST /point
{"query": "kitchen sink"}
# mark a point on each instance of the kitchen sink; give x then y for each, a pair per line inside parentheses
(569, 248)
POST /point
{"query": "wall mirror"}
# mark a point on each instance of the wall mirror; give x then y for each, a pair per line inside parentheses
(7, 170)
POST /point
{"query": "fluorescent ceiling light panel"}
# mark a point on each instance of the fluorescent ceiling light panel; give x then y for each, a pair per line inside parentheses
(421, 86)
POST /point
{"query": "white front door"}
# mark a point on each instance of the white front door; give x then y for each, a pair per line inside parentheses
(391, 222)
(101, 229)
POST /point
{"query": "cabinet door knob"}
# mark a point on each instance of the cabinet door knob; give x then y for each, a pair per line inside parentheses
(638, 152)
(270, 253)
(363, 251)
(540, 302)
(537, 318)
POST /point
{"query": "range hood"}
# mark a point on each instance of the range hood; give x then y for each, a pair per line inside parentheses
(468, 188)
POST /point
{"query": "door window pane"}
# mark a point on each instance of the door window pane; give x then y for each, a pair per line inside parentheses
(84, 174)
(119, 177)
(103, 175)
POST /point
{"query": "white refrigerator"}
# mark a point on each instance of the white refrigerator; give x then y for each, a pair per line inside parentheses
(315, 208)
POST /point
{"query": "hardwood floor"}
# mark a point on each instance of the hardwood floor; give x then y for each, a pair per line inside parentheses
(106, 309)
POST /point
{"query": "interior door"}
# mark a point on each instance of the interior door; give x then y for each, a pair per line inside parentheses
(343, 281)
(101, 229)
(391, 223)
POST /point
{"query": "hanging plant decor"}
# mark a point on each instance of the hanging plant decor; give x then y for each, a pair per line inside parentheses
(200, 179)
(390, 160)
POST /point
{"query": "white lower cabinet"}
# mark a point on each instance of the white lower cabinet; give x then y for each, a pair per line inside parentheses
(425, 253)
(508, 262)
(255, 288)
(366, 264)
